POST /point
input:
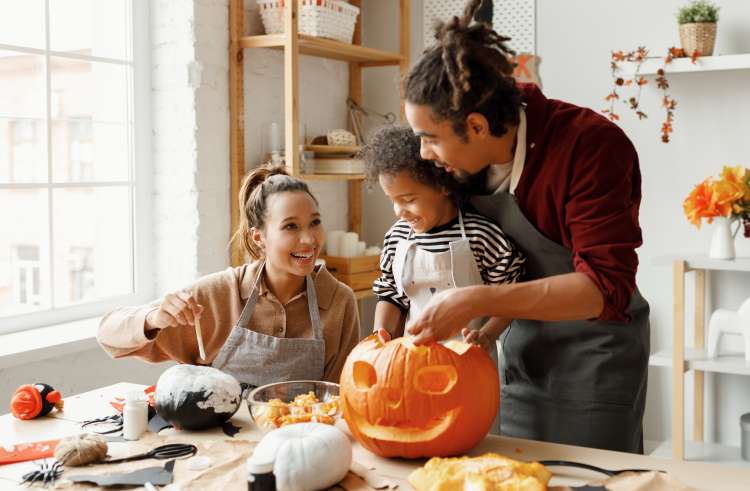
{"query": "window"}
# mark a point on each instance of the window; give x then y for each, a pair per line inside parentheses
(26, 272)
(74, 176)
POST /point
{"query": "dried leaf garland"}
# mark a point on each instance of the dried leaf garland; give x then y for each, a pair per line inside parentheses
(638, 57)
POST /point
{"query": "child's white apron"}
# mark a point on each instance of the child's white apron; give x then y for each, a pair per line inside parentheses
(419, 274)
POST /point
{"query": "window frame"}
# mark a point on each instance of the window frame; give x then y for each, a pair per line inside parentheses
(140, 178)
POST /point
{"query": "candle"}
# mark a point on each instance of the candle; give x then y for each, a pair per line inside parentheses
(349, 244)
(334, 242)
(361, 246)
(372, 251)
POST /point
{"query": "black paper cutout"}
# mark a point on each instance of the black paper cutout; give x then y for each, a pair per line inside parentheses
(158, 476)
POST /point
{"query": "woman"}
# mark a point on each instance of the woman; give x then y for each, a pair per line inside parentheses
(565, 184)
(276, 318)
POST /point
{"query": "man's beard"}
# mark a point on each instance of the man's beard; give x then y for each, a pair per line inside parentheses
(471, 184)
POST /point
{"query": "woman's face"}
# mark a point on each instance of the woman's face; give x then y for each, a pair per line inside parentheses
(461, 156)
(293, 234)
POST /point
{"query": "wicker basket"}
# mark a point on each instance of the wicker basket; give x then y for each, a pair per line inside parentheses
(332, 19)
(698, 36)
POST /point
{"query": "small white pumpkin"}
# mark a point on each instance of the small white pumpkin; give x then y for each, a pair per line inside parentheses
(306, 456)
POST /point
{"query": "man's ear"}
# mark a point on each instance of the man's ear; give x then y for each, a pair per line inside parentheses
(477, 125)
(256, 235)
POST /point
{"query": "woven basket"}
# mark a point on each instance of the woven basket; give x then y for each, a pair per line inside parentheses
(698, 36)
(332, 19)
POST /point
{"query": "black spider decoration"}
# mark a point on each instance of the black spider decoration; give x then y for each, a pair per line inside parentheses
(47, 474)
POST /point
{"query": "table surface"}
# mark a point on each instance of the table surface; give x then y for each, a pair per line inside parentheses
(92, 404)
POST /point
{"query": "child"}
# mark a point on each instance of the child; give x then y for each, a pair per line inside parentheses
(276, 318)
(436, 243)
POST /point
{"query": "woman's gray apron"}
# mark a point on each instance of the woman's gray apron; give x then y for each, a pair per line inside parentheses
(257, 359)
(573, 382)
(419, 274)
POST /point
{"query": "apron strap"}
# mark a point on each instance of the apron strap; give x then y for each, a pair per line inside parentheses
(312, 307)
(247, 310)
(461, 224)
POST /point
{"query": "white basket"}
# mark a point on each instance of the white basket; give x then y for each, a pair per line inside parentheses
(333, 19)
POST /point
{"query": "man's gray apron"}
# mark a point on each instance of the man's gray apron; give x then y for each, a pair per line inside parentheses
(419, 274)
(573, 382)
(257, 359)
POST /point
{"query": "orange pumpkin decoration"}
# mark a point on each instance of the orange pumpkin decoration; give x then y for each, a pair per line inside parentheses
(403, 400)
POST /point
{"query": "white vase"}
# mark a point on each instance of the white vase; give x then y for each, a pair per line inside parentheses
(722, 241)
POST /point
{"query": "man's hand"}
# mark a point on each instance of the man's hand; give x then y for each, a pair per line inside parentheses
(445, 315)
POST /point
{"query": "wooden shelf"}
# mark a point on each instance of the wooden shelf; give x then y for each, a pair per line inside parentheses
(332, 177)
(698, 261)
(702, 452)
(293, 44)
(326, 48)
(684, 65)
(697, 359)
(332, 149)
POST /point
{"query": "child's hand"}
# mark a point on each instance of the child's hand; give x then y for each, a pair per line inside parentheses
(480, 337)
(177, 309)
(383, 335)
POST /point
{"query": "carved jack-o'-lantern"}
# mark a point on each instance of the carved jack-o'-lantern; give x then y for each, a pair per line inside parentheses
(403, 400)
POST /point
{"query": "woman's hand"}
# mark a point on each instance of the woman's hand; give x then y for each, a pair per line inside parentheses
(177, 309)
(446, 313)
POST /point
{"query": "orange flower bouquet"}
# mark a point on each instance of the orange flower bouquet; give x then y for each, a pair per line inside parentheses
(728, 196)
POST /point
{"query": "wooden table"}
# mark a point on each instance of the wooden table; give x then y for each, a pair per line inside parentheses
(96, 403)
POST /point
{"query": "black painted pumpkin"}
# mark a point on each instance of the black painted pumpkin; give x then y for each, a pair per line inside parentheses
(195, 397)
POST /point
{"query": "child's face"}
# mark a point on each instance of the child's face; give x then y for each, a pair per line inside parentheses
(293, 234)
(424, 207)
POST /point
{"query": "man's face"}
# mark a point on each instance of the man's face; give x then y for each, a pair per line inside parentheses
(461, 156)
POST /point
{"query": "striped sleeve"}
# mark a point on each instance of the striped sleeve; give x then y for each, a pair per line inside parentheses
(385, 286)
(499, 259)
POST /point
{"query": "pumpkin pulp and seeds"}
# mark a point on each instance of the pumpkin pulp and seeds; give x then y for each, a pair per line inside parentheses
(305, 408)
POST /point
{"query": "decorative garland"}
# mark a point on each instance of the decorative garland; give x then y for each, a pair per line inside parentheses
(634, 102)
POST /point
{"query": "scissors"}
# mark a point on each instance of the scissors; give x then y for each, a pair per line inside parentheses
(169, 451)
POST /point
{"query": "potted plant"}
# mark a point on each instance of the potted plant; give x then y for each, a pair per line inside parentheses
(697, 22)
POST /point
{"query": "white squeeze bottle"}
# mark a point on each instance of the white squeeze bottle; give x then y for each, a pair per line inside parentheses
(134, 415)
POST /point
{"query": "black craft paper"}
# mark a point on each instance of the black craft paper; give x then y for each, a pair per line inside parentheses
(158, 476)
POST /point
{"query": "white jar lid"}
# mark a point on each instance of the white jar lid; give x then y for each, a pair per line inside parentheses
(135, 396)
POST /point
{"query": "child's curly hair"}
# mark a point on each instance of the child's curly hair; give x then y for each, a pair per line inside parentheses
(391, 150)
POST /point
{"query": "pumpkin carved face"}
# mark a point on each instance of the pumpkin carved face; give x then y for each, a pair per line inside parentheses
(403, 400)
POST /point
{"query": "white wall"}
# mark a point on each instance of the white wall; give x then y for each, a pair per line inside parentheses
(710, 130)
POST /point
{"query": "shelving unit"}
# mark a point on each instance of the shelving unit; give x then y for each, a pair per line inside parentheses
(293, 45)
(681, 359)
(685, 65)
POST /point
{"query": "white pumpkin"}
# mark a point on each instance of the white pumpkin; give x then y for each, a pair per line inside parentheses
(306, 456)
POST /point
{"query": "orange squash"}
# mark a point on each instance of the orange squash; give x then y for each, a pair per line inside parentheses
(403, 400)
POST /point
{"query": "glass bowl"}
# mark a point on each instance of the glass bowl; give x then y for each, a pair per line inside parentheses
(297, 401)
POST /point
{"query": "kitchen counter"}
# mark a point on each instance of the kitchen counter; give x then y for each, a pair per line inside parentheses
(96, 404)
